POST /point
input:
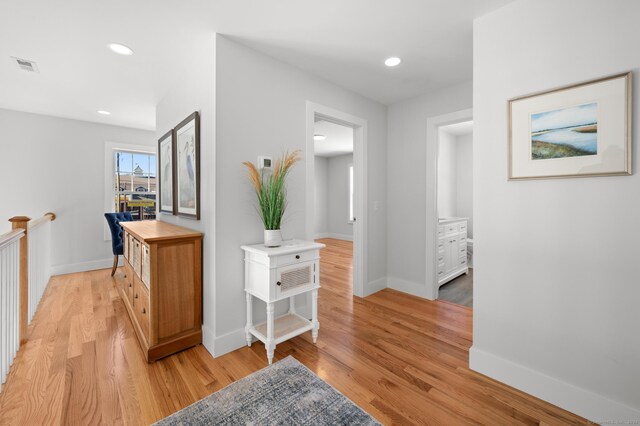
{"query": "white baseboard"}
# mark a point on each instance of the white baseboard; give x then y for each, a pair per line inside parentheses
(580, 401)
(227, 343)
(84, 266)
(375, 286)
(335, 236)
(208, 339)
(416, 289)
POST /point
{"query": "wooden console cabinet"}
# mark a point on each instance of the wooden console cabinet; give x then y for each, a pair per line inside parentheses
(162, 288)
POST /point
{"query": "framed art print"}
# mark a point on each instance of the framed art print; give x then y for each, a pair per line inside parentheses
(187, 135)
(574, 131)
(166, 173)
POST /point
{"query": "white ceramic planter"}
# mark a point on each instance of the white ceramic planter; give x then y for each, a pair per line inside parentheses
(272, 238)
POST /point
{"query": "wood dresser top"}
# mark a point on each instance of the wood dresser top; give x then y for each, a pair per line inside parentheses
(155, 230)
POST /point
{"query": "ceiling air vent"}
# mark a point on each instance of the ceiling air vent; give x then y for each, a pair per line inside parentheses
(26, 65)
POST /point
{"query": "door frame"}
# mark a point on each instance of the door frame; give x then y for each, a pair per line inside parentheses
(359, 126)
(433, 145)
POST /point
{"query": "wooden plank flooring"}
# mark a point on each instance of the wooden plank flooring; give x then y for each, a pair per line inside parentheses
(402, 359)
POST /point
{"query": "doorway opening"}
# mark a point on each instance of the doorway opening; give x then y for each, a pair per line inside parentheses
(454, 200)
(447, 230)
(336, 190)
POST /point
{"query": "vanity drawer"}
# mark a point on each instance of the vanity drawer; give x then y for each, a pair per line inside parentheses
(462, 227)
(295, 258)
(440, 230)
(441, 270)
(141, 306)
(440, 246)
(450, 229)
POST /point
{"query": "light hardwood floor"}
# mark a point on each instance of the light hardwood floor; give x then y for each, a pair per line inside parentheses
(402, 359)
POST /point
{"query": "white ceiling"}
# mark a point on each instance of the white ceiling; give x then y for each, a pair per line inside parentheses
(339, 139)
(459, 129)
(344, 42)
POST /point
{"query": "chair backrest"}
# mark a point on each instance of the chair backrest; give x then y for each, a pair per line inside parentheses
(114, 219)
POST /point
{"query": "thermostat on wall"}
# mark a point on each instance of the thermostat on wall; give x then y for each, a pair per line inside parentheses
(264, 162)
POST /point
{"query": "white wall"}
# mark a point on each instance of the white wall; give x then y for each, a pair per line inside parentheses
(332, 197)
(321, 171)
(556, 286)
(57, 164)
(447, 175)
(407, 184)
(338, 194)
(261, 109)
(464, 179)
(195, 91)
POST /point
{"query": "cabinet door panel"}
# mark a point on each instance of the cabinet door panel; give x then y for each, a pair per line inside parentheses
(295, 279)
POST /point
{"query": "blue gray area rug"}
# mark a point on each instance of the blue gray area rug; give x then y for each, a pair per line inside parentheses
(285, 393)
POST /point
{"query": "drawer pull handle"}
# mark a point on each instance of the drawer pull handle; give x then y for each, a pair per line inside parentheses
(144, 310)
(297, 256)
(130, 285)
(278, 283)
(136, 295)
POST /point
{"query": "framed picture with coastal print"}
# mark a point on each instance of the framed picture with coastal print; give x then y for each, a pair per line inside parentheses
(166, 173)
(574, 131)
(187, 135)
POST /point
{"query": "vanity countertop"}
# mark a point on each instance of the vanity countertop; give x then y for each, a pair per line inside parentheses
(443, 220)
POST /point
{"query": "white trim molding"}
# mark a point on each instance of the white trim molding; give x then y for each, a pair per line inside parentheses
(580, 401)
(343, 237)
(91, 265)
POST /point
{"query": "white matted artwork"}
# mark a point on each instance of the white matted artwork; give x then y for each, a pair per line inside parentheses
(573, 131)
(188, 166)
(166, 172)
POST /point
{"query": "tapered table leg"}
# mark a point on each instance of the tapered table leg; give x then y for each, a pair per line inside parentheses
(270, 345)
(314, 315)
(247, 328)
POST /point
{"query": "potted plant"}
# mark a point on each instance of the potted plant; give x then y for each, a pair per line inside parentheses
(270, 188)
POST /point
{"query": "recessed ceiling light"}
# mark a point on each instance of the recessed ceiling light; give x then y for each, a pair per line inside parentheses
(319, 137)
(121, 49)
(103, 112)
(392, 61)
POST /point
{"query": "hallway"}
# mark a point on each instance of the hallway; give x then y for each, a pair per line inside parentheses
(402, 359)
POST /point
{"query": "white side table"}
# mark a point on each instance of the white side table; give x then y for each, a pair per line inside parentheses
(277, 273)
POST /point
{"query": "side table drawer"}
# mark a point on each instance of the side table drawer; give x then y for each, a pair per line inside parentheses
(294, 258)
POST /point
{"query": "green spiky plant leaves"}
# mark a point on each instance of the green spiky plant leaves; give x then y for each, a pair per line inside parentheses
(271, 189)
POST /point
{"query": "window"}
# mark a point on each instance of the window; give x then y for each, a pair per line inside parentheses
(134, 188)
(351, 215)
